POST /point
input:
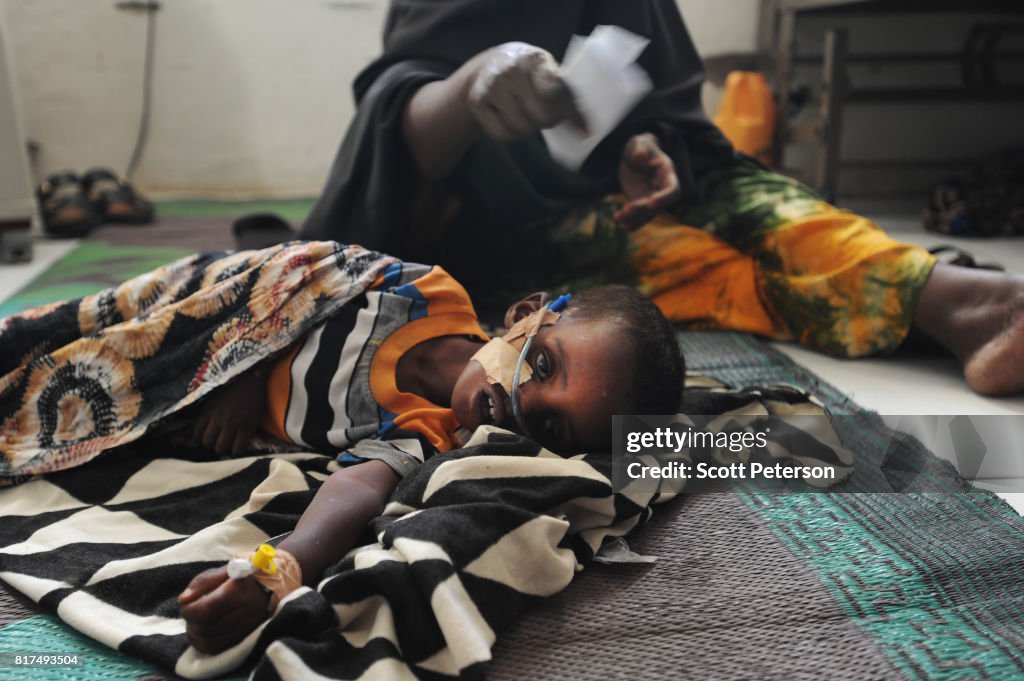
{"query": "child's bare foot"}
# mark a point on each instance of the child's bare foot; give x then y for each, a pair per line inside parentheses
(979, 316)
(997, 366)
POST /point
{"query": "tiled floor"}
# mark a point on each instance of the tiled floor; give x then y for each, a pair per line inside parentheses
(892, 386)
(45, 253)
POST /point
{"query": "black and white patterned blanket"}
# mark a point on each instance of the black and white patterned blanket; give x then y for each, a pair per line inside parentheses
(466, 541)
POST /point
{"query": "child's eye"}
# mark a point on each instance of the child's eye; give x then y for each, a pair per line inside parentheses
(551, 428)
(541, 367)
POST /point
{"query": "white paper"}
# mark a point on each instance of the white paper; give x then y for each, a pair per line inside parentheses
(606, 83)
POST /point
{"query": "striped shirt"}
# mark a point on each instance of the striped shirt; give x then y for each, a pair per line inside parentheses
(335, 391)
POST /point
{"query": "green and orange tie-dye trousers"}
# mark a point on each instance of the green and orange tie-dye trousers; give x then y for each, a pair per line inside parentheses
(764, 254)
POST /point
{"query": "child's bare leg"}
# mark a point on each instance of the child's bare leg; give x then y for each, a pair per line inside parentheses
(979, 316)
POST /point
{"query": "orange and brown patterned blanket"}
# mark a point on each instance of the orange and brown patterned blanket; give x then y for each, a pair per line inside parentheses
(84, 376)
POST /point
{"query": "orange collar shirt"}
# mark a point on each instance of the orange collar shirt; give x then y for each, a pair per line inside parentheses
(335, 391)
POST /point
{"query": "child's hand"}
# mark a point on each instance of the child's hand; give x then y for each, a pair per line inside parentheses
(230, 416)
(221, 611)
(648, 179)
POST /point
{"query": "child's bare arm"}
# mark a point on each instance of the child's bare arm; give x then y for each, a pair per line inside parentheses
(221, 611)
(343, 506)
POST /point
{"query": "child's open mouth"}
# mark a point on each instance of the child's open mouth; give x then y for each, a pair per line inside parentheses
(493, 405)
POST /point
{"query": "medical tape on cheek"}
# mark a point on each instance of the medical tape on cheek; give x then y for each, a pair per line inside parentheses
(498, 357)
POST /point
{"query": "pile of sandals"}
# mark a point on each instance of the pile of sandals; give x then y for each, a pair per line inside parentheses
(72, 205)
(987, 203)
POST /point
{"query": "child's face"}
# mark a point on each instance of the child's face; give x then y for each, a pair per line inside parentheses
(581, 371)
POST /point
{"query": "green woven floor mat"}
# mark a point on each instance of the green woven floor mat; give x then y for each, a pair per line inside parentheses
(937, 580)
(292, 210)
(90, 267)
(47, 635)
(908, 570)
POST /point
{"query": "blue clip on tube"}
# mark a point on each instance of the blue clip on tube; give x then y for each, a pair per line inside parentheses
(556, 305)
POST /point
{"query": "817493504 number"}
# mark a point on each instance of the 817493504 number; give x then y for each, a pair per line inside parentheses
(27, 660)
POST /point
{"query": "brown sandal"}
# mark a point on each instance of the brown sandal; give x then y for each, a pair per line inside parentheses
(115, 199)
(66, 211)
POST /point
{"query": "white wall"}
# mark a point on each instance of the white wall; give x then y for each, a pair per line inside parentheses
(719, 27)
(16, 200)
(250, 97)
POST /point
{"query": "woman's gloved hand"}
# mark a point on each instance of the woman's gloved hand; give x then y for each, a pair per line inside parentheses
(517, 91)
(648, 178)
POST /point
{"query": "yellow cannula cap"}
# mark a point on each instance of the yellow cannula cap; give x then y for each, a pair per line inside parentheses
(263, 559)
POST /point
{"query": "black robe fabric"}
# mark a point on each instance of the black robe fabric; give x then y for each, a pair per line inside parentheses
(504, 190)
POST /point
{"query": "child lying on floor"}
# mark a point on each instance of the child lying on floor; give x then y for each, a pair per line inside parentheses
(392, 378)
(330, 348)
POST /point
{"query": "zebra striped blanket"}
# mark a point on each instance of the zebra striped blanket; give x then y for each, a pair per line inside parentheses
(467, 540)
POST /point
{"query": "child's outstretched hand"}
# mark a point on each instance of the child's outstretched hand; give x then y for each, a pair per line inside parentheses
(648, 179)
(221, 611)
(230, 416)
